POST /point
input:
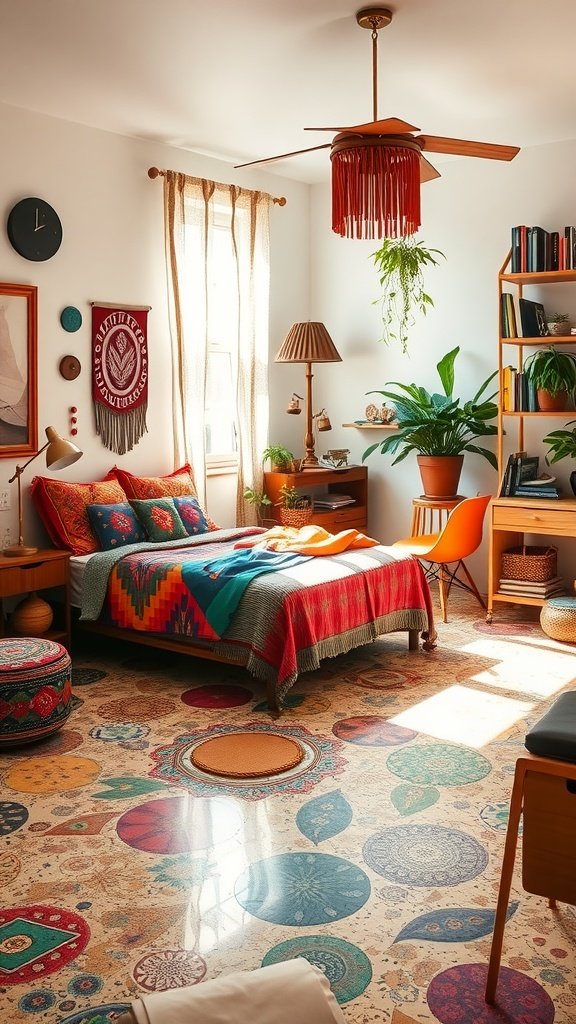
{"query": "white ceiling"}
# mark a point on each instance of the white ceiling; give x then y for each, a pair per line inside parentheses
(240, 79)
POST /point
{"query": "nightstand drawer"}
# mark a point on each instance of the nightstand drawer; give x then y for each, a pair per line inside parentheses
(33, 577)
(560, 522)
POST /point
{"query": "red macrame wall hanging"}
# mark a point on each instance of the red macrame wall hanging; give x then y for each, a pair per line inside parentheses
(119, 374)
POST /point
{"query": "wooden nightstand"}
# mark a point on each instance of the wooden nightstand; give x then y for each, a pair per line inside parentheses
(46, 568)
(352, 481)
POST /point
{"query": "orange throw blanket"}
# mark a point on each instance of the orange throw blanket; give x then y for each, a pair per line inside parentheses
(308, 540)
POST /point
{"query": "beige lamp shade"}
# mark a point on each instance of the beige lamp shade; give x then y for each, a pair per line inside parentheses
(308, 342)
(60, 453)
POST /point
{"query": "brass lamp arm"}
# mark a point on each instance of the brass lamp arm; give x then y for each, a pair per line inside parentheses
(20, 469)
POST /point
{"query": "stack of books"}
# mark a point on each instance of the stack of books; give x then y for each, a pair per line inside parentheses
(527, 588)
(333, 501)
(534, 249)
(521, 479)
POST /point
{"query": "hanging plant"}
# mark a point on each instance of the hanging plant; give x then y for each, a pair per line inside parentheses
(401, 263)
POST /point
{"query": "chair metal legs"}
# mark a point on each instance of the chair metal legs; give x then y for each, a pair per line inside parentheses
(446, 576)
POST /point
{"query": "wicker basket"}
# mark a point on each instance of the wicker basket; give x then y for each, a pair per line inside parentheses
(529, 562)
(296, 517)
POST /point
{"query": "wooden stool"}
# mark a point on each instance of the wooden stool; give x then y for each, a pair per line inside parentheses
(429, 515)
(544, 792)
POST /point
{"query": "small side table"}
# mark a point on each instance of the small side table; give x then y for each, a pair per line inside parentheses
(429, 515)
(46, 568)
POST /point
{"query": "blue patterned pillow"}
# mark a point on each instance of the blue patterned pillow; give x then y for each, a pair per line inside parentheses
(159, 517)
(191, 514)
(115, 525)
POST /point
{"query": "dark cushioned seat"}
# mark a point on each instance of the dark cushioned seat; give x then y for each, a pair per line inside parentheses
(555, 734)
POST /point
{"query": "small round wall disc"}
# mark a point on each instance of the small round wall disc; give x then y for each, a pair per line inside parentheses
(69, 367)
(71, 318)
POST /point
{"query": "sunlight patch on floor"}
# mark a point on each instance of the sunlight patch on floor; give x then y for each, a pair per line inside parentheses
(464, 715)
(525, 668)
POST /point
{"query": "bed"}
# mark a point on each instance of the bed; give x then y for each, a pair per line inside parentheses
(284, 622)
(148, 564)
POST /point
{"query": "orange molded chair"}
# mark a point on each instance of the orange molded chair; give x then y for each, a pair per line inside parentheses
(460, 537)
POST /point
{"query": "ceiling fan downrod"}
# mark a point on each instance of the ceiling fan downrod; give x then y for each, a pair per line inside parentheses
(374, 18)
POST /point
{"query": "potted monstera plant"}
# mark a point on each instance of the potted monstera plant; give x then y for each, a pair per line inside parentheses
(439, 428)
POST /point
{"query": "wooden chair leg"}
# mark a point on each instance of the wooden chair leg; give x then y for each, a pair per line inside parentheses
(505, 883)
(443, 594)
(473, 586)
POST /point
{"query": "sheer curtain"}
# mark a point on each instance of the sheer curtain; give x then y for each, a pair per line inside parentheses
(196, 213)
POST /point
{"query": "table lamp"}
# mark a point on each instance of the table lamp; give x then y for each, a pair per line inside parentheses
(308, 343)
(59, 454)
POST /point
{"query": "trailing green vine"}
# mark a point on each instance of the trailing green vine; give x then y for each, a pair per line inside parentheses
(401, 262)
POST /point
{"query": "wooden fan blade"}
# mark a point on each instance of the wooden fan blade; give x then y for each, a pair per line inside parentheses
(282, 156)
(427, 171)
(389, 126)
(462, 147)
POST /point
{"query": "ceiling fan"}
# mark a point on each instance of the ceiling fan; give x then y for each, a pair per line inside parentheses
(377, 167)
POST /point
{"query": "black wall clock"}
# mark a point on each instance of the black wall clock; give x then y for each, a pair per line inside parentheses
(34, 229)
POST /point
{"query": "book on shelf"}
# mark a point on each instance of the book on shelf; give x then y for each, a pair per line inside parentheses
(533, 319)
(536, 492)
(508, 388)
(525, 468)
(509, 321)
(333, 501)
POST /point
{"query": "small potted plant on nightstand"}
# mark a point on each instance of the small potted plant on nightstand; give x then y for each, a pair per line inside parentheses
(553, 375)
(281, 458)
(261, 502)
(295, 508)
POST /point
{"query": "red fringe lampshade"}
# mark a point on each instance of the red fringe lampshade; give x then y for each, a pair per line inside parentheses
(375, 186)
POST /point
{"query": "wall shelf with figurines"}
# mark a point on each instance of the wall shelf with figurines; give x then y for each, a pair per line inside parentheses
(377, 418)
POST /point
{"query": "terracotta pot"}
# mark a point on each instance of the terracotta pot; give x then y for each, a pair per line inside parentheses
(548, 402)
(440, 474)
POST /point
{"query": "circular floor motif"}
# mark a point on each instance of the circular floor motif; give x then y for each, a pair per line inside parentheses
(170, 968)
(37, 1001)
(495, 816)
(439, 764)
(52, 774)
(372, 731)
(381, 679)
(136, 709)
(58, 743)
(12, 816)
(247, 754)
(217, 696)
(97, 1014)
(178, 824)
(346, 967)
(302, 889)
(119, 731)
(85, 676)
(456, 996)
(424, 855)
(321, 759)
(37, 940)
(85, 985)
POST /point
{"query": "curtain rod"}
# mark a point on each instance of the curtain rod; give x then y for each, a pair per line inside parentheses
(155, 172)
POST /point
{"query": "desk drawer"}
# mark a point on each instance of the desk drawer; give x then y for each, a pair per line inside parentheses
(33, 577)
(559, 522)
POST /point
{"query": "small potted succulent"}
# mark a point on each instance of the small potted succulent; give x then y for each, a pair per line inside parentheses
(553, 375)
(295, 508)
(559, 324)
(281, 458)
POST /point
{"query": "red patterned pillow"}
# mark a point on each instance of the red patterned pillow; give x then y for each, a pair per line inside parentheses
(62, 507)
(173, 485)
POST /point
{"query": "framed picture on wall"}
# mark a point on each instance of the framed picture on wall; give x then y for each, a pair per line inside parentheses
(18, 370)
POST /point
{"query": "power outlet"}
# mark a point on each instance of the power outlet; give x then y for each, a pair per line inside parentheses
(4, 499)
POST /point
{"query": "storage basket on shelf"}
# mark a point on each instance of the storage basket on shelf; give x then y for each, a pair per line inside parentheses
(529, 562)
(296, 517)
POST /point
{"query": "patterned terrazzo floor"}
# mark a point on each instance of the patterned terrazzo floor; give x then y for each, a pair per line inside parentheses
(125, 869)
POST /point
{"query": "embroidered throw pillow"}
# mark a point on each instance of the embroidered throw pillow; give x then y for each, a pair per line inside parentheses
(62, 506)
(172, 485)
(116, 525)
(191, 514)
(159, 518)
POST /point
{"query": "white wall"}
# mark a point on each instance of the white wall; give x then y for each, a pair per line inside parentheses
(113, 251)
(467, 214)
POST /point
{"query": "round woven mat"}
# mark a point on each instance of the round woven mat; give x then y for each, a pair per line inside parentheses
(247, 755)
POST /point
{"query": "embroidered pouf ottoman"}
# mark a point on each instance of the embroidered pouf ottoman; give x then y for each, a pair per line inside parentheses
(35, 689)
(558, 618)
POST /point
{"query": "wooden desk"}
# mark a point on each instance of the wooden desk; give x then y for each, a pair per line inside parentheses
(429, 515)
